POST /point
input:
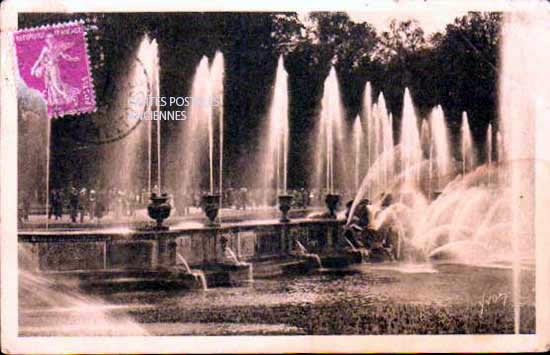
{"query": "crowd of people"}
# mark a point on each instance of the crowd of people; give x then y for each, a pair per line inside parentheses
(244, 198)
(92, 204)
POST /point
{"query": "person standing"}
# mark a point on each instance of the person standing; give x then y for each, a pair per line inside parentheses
(52, 206)
(73, 204)
(57, 203)
(100, 205)
(83, 203)
(92, 201)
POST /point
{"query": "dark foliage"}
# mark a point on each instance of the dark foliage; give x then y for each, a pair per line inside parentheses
(456, 68)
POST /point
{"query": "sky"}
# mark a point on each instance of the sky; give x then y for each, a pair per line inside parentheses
(433, 15)
(429, 21)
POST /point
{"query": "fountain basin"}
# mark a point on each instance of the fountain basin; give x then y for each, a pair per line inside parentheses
(111, 253)
(223, 275)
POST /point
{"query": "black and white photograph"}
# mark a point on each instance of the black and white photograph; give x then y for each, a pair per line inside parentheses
(240, 174)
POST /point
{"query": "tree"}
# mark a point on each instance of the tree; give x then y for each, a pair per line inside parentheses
(402, 39)
(467, 56)
(406, 59)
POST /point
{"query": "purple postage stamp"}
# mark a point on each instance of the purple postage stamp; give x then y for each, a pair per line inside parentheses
(54, 60)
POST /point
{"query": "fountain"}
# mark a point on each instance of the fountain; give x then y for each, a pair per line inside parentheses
(523, 90)
(411, 152)
(466, 145)
(440, 147)
(122, 165)
(425, 138)
(193, 139)
(217, 70)
(196, 138)
(212, 201)
(470, 220)
(489, 151)
(473, 219)
(330, 139)
(159, 208)
(274, 157)
(78, 313)
(379, 136)
(367, 113)
(357, 142)
(464, 216)
(197, 280)
(330, 143)
(313, 260)
(500, 147)
(427, 153)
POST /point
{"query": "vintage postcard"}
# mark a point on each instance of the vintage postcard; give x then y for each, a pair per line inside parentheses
(341, 177)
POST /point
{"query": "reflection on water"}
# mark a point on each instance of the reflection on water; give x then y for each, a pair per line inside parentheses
(284, 305)
(407, 268)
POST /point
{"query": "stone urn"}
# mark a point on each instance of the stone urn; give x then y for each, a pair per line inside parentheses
(284, 206)
(159, 209)
(332, 201)
(210, 206)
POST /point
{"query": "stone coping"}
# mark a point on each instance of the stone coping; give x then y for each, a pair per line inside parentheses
(127, 233)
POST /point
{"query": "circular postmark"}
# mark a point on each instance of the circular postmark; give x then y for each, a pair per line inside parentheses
(122, 97)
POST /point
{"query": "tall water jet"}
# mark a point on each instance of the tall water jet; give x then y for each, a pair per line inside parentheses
(425, 138)
(156, 93)
(524, 88)
(357, 141)
(217, 77)
(386, 143)
(275, 160)
(489, 150)
(466, 145)
(122, 165)
(440, 143)
(427, 148)
(389, 147)
(373, 143)
(411, 152)
(195, 140)
(500, 147)
(48, 155)
(330, 134)
(379, 138)
(380, 150)
(366, 112)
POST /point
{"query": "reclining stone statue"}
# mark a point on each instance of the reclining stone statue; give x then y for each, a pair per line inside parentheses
(374, 245)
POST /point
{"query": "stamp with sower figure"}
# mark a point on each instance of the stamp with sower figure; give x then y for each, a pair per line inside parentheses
(53, 60)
